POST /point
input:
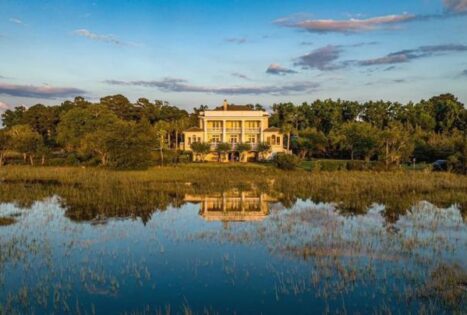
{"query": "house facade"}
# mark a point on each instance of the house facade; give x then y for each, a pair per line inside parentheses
(234, 124)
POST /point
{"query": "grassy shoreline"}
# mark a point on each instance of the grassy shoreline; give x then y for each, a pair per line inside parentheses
(88, 191)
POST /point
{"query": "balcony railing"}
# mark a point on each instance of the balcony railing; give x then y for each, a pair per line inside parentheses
(252, 130)
(234, 146)
(215, 129)
(233, 130)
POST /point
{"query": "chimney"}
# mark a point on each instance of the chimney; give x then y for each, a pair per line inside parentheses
(225, 104)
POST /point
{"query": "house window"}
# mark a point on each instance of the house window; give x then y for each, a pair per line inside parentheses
(189, 140)
(215, 138)
(233, 139)
(251, 139)
(216, 125)
(278, 140)
(268, 140)
(252, 124)
(234, 124)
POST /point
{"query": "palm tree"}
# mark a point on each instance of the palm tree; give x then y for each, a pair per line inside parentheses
(161, 129)
(287, 128)
(178, 126)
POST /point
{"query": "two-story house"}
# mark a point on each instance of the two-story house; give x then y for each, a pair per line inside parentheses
(234, 124)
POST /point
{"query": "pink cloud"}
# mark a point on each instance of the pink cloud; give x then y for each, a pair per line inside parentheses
(4, 106)
(345, 26)
(456, 6)
(44, 91)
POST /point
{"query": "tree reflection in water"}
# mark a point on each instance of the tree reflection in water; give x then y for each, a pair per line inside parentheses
(168, 250)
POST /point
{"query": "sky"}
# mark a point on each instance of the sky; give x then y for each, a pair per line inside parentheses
(197, 52)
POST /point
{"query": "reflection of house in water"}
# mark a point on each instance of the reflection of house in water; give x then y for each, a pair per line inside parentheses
(233, 206)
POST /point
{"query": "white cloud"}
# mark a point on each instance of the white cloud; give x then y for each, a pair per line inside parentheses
(98, 37)
(16, 21)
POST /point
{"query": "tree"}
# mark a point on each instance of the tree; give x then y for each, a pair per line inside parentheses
(396, 144)
(179, 125)
(161, 130)
(122, 107)
(42, 119)
(201, 149)
(14, 117)
(287, 129)
(130, 146)
(360, 138)
(286, 161)
(243, 148)
(222, 148)
(377, 113)
(25, 141)
(4, 144)
(309, 141)
(447, 111)
(262, 148)
(124, 145)
(78, 122)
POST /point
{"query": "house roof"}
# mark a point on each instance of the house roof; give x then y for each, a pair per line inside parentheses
(272, 129)
(235, 108)
(194, 129)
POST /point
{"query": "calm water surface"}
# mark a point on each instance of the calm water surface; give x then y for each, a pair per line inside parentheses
(233, 253)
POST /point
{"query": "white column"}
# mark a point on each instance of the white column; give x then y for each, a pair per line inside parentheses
(262, 135)
(205, 125)
(242, 140)
(224, 134)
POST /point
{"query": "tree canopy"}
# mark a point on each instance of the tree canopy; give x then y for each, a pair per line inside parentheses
(114, 127)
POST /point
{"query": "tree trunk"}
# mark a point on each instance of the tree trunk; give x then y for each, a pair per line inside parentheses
(2, 156)
(169, 142)
(31, 159)
(176, 140)
(161, 150)
(288, 141)
(43, 159)
(351, 154)
(25, 156)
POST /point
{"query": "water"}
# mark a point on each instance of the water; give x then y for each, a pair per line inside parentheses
(241, 253)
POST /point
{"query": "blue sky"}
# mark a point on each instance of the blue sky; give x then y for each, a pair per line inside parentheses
(200, 52)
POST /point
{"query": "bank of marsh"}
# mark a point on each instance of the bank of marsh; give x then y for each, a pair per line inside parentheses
(99, 190)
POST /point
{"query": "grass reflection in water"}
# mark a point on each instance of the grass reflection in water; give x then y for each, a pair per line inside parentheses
(253, 241)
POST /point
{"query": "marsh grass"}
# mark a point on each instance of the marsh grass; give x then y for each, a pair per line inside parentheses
(4, 221)
(89, 192)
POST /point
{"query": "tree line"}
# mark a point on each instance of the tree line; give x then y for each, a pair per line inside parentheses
(390, 132)
(117, 133)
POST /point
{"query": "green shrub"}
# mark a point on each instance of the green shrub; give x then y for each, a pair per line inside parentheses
(328, 165)
(286, 161)
(72, 159)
